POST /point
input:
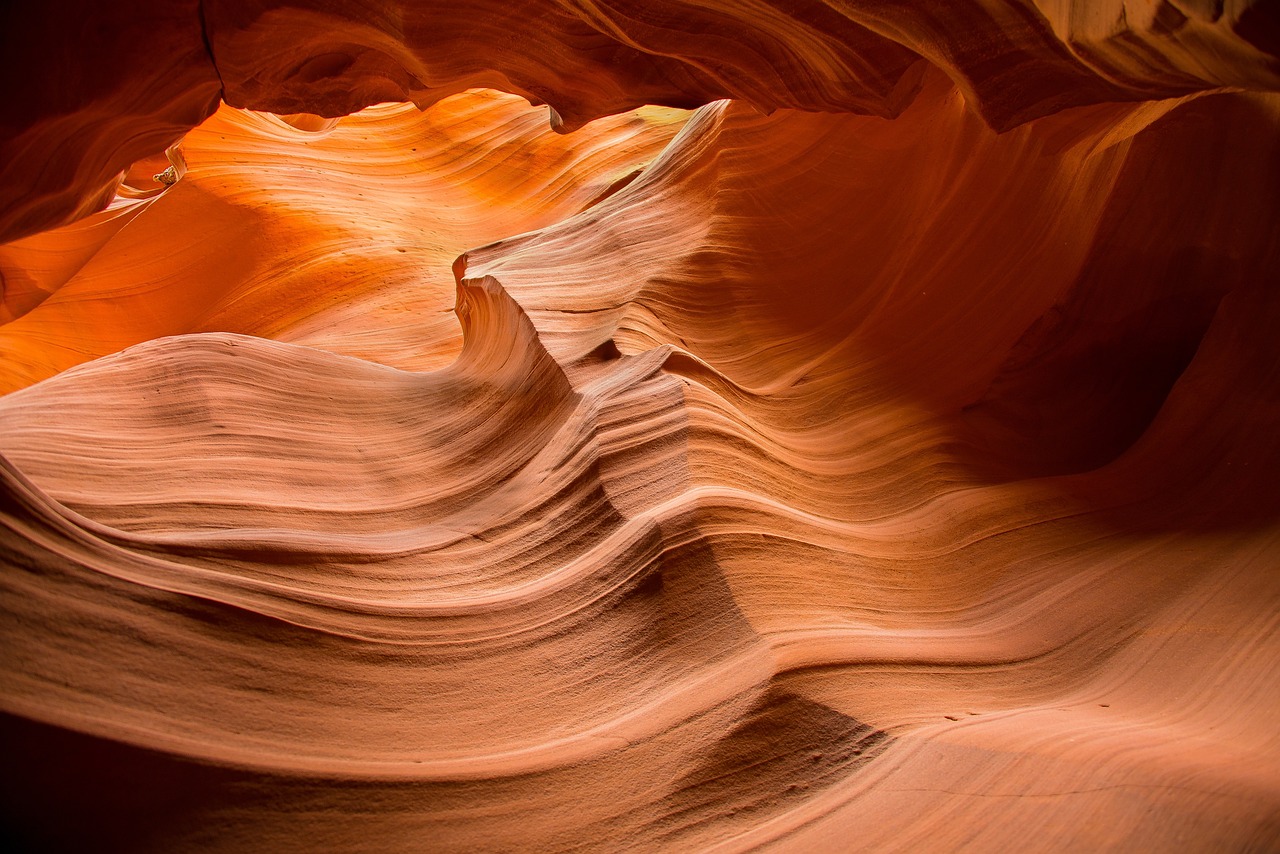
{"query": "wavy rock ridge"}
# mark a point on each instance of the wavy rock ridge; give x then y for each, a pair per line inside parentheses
(892, 471)
(123, 82)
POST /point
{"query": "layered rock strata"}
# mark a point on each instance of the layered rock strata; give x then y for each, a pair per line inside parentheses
(882, 460)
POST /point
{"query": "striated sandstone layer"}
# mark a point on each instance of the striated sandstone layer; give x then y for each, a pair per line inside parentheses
(91, 87)
(297, 234)
(883, 460)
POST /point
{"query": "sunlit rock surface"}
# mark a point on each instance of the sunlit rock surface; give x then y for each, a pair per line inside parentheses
(339, 237)
(881, 457)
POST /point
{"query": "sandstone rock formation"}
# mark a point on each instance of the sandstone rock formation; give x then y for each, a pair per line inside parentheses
(341, 238)
(880, 457)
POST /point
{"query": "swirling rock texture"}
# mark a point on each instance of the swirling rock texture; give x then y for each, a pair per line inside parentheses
(881, 457)
(299, 240)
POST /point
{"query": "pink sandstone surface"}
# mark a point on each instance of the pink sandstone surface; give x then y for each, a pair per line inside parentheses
(595, 426)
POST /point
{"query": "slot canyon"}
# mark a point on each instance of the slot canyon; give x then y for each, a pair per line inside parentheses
(640, 425)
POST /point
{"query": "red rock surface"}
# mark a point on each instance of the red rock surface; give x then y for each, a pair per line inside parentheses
(884, 459)
(341, 238)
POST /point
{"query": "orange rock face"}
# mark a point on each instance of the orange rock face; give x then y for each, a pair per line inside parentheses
(341, 238)
(881, 457)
